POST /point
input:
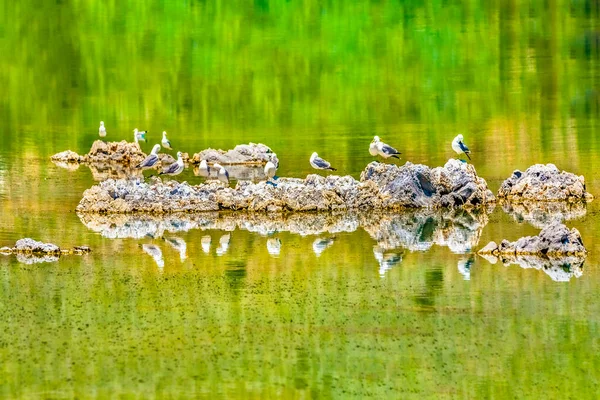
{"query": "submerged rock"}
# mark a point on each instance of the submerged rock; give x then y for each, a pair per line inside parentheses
(31, 251)
(544, 183)
(248, 154)
(554, 240)
(382, 186)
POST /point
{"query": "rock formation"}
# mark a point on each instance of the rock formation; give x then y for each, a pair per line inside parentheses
(382, 186)
(30, 251)
(544, 183)
(243, 154)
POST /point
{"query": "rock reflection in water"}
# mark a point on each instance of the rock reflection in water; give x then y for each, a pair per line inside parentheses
(414, 230)
(559, 269)
(35, 259)
(386, 260)
(418, 230)
(540, 214)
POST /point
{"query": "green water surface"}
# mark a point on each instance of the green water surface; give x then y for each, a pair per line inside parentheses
(521, 81)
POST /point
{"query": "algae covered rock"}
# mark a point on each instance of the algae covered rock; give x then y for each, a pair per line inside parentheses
(544, 183)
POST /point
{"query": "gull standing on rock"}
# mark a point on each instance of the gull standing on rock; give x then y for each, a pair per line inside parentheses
(459, 147)
(165, 142)
(222, 173)
(152, 159)
(318, 163)
(204, 168)
(102, 129)
(270, 171)
(176, 168)
(383, 149)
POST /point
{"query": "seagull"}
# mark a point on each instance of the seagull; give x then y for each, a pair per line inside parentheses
(204, 168)
(318, 163)
(165, 142)
(270, 170)
(176, 168)
(459, 147)
(222, 173)
(206, 243)
(102, 129)
(156, 253)
(179, 245)
(383, 149)
(152, 159)
(373, 147)
(139, 135)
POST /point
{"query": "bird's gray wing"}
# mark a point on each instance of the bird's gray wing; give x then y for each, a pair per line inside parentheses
(168, 142)
(463, 147)
(149, 161)
(171, 168)
(389, 150)
(319, 162)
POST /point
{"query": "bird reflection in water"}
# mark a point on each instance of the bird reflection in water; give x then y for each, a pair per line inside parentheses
(274, 246)
(155, 252)
(206, 240)
(179, 245)
(320, 244)
(223, 244)
(464, 266)
(386, 260)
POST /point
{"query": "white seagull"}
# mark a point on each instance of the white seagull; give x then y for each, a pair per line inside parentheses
(270, 170)
(383, 149)
(139, 135)
(459, 147)
(318, 163)
(176, 168)
(204, 168)
(223, 244)
(222, 173)
(165, 142)
(152, 159)
(102, 129)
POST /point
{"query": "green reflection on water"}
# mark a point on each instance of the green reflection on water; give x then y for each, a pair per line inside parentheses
(520, 82)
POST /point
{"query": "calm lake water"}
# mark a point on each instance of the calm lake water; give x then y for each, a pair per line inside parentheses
(312, 306)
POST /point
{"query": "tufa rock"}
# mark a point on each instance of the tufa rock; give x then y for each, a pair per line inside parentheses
(31, 251)
(381, 186)
(554, 240)
(544, 183)
(241, 154)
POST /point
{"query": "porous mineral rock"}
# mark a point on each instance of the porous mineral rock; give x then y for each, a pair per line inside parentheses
(381, 186)
(67, 156)
(554, 240)
(544, 183)
(456, 184)
(241, 154)
(31, 251)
